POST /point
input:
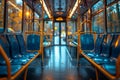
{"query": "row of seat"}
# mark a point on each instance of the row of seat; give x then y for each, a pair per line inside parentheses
(15, 49)
(104, 54)
(72, 48)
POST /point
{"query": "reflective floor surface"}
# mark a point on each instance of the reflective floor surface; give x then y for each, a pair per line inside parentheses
(59, 66)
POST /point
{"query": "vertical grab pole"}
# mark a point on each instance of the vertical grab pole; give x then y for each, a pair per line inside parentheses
(42, 34)
(96, 72)
(78, 34)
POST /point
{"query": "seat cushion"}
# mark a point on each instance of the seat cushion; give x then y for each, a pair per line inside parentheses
(28, 55)
(14, 69)
(19, 61)
(102, 60)
(111, 68)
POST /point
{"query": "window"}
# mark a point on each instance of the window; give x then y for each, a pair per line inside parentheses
(98, 6)
(36, 23)
(48, 26)
(109, 1)
(86, 21)
(112, 19)
(14, 15)
(1, 14)
(98, 24)
(28, 24)
(71, 27)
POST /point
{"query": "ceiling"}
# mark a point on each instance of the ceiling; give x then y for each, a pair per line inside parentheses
(61, 8)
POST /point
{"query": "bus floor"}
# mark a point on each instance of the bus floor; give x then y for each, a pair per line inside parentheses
(59, 66)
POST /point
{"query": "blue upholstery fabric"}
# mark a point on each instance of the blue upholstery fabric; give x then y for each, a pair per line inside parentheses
(105, 51)
(14, 69)
(14, 47)
(97, 48)
(22, 46)
(111, 68)
(111, 65)
(87, 41)
(5, 46)
(33, 42)
(116, 47)
(4, 43)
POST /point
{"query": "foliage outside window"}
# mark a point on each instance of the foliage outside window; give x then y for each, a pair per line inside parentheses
(36, 23)
(71, 27)
(86, 24)
(98, 24)
(48, 27)
(14, 15)
(112, 19)
(98, 6)
(28, 15)
(1, 14)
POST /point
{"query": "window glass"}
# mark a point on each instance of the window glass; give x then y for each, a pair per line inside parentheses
(1, 14)
(14, 15)
(119, 6)
(28, 24)
(36, 23)
(99, 5)
(109, 1)
(112, 19)
(71, 27)
(48, 26)
(86, 21)
(98, 24)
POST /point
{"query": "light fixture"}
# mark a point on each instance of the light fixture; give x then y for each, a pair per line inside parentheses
(74, 8)
(59, 19)
(27, 14)
(45, 7)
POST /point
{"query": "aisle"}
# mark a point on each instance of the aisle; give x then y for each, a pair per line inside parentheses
(58, 66)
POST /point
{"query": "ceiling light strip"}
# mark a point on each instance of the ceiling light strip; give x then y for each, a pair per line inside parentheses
(74, 8)
(45, 8)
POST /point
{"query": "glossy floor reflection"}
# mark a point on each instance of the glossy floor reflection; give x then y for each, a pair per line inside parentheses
(58, 66)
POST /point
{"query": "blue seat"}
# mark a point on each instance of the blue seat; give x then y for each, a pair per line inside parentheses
(3, 67)
(87, 41)
(110, 66)
(5, 45)
(105, 51)
(15, 54)
(23, 48)
(33, 42)
(14, 69)
(97, 48)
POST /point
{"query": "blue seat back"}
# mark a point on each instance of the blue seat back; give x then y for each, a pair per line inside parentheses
(33, 42)
(98, 43)
(87, 41)
(75, 38)
(21, 43)
(115, 47)
(5, 45)
(14, 47)
(106, 45)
